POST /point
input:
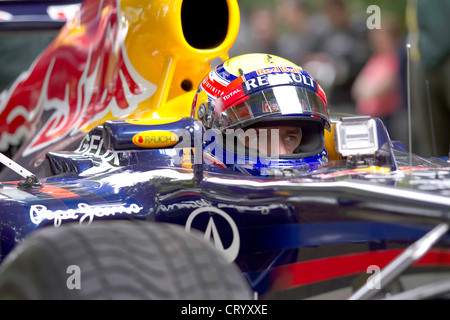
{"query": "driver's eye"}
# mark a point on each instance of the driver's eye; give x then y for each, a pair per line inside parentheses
(265, 139)
(291, 138)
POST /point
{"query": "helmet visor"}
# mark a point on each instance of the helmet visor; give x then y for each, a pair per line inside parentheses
(285, 100)
(298, 137)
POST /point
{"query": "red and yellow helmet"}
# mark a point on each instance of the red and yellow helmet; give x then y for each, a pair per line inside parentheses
(248, 88)
(256, 89)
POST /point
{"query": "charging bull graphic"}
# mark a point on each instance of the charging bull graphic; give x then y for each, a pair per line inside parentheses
(107, 62)
(80, 78)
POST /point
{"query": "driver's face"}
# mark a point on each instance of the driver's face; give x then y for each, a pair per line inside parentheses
(272, 140)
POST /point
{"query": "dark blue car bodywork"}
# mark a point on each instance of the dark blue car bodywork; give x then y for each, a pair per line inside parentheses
(309, 234)
(294, 237)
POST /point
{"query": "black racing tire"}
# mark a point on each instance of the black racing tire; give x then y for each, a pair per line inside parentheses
(121, 259)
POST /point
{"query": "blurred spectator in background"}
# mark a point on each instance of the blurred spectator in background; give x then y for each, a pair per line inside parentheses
(342, 52)
(263, 28)
(300, 31)
(258, 32)
(327, 43)
(377, 89)
(428, 26)
(331, 42)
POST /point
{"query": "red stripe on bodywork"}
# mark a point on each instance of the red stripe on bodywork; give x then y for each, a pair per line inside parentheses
(302, 273)
(58, 192)
(53, 191)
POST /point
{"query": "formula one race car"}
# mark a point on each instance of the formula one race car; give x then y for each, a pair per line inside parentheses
(117, 197)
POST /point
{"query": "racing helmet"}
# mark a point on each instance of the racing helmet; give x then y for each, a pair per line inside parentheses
(263, 115)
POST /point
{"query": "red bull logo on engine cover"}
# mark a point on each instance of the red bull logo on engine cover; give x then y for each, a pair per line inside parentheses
(80, 78)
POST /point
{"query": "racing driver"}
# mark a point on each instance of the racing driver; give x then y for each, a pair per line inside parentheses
(267, 113)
